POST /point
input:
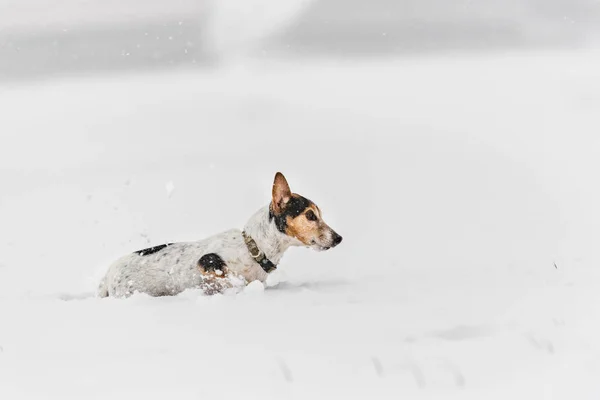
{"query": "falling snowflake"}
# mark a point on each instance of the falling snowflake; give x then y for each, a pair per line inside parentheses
(170, 187)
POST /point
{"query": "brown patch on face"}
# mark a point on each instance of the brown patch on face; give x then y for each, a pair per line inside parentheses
(304, 229)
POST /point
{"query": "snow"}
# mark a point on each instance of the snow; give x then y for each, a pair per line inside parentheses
(457, 181)
(170, 188)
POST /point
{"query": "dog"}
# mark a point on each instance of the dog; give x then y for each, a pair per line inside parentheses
(227, 260)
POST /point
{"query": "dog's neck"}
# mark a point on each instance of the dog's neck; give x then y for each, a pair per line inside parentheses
(267, 237)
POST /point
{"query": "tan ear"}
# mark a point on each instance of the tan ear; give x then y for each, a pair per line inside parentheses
(281, 193)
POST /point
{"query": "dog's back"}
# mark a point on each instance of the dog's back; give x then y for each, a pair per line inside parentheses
(169, 269)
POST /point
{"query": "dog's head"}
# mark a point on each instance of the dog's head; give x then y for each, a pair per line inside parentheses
(300, 218)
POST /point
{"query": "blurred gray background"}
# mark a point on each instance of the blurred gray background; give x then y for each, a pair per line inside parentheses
(40, 38)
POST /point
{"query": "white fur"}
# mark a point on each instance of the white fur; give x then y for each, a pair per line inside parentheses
(175, 268)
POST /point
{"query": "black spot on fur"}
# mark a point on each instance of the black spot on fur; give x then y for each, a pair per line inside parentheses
(211, 262)
(152, 250)
(293, 208)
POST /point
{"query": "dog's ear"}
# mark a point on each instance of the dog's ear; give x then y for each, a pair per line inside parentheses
(281, 193)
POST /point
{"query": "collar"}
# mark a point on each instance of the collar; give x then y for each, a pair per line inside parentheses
(260, 257)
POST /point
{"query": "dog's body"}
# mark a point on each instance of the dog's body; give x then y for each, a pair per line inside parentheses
(232, 258)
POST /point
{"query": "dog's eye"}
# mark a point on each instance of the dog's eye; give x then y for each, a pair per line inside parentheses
(310, 215)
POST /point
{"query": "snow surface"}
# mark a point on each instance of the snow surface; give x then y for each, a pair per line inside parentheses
(465, 186)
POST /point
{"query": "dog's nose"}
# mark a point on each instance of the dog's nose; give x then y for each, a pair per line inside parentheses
(337, 239)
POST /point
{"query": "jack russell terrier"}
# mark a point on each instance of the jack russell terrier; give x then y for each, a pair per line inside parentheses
(230, 259)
